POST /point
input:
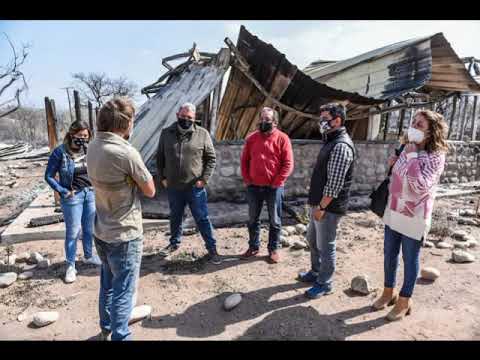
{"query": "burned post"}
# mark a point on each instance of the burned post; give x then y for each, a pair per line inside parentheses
(76, 99)
(52, 132)
(474, 119)
(90, 116)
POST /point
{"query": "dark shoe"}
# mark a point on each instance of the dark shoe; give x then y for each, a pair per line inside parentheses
(168, 250)
(318, 290)
(214, 258)
(307, 277)
(274, 257)
(249, 253)
(103, 336)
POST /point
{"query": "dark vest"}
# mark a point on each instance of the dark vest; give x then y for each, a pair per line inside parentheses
(338, 205)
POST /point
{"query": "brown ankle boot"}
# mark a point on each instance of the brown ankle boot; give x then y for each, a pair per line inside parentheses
(401, 309)
(388, 298)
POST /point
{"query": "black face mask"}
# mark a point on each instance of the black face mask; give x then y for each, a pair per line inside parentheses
(266, 126)
(80, 142)
(185, 123)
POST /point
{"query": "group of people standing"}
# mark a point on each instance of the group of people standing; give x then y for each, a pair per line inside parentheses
(103, 204)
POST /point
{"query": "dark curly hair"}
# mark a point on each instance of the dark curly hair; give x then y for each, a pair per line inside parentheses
(335, 110)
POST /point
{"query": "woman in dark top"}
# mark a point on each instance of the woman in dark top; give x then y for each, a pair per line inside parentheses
(76, 193)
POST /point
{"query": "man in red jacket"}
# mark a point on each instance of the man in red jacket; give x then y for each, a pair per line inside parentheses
(267, 161)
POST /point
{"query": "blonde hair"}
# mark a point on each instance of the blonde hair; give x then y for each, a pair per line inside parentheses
(438, 130)
(116, 114)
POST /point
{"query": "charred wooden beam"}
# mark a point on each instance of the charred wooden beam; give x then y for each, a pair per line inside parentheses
(46, 220)
(241, 64)
(90, 116)
(452, 117)
(76, 99)
(464, 118)
(400, 127)
(474, 119)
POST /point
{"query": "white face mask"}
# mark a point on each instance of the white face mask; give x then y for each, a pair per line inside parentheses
(414, 135)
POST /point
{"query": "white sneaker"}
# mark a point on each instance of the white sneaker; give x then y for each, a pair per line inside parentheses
(71, 274)
(94, 260)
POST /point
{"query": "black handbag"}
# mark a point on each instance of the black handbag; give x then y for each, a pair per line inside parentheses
(380, 195)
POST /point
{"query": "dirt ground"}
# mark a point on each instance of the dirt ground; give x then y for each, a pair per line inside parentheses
(187, 294)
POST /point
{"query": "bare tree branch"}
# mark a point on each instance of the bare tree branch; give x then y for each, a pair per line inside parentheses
(14, 108)
(13, 77)
(97, 87)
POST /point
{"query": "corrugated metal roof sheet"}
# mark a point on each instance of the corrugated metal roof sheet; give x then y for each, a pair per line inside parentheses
(193, 84)
(426, 63)
(242, 101)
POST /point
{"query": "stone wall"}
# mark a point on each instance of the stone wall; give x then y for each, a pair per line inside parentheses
(463, 164)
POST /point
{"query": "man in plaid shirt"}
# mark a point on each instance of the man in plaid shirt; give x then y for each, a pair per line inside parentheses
(328, 198)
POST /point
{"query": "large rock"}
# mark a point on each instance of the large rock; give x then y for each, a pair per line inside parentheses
(444, 245)
(428, 244)
(232, 301)
(461, 256)
(7, 279)
(35, 257)
(460, 244)
(23, 257)
(26, 275)
(45, 263)
(29, 267)
(284, 233)
(472, 243)
(285, 241)
(301, 229)
(466, 221)
(468, 238)
(11, 259)
(44, 318)
(290, 230)
(460, 235)
(467, 213)
(299, 244)
(360, 284)
(429, 273)
(140, 312)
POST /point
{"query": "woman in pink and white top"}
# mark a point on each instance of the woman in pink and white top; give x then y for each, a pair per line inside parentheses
(408, 214)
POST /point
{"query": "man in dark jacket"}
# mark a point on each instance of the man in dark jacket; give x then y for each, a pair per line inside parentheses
(185, 161)
(328, 198)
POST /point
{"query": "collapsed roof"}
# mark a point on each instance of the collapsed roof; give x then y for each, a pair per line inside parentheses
(262, 76)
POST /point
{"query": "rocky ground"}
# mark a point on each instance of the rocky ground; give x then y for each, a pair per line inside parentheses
(187, 294)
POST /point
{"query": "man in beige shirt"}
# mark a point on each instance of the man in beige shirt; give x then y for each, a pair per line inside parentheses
(118, 174)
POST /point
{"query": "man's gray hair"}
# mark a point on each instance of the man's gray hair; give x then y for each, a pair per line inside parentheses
(188, 106)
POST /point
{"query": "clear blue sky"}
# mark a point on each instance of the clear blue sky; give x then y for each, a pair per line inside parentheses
(135, 48)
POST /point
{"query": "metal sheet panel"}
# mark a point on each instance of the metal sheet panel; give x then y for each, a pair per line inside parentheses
(192, 85)
(421, 64)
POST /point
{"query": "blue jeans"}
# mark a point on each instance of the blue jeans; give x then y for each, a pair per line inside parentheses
(119, 275)
(79, 214)
(411, 254)
(256, 195)
(321, 236)
(196, 198)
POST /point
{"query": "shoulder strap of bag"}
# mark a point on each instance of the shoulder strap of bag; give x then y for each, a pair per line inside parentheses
(397, 153)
